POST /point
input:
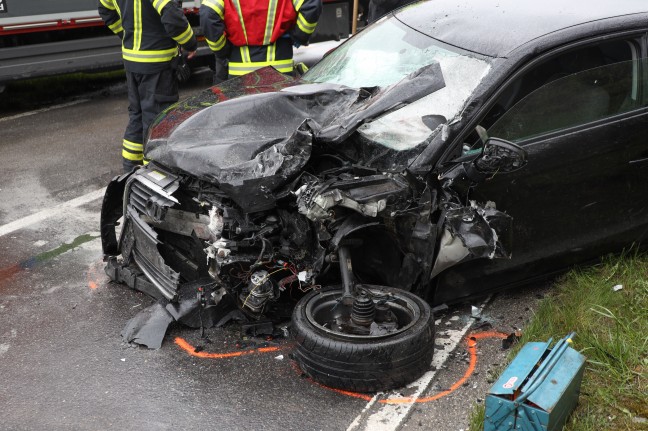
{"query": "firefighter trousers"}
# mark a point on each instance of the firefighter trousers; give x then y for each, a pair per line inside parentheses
(148, 95)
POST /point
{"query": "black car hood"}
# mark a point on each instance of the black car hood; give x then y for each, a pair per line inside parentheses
(264, 139)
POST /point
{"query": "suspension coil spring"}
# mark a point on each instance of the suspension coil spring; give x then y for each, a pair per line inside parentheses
(363, 310)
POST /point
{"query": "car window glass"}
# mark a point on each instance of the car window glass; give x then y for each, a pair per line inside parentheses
(554, 77)
(572, 100)
(409, 126)
(386, 53)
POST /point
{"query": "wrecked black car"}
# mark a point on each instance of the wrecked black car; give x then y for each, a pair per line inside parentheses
(394, 174)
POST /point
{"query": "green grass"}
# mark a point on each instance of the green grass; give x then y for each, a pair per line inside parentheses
(611, 331)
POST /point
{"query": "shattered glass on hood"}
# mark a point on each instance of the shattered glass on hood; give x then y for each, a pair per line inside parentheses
(262, 136)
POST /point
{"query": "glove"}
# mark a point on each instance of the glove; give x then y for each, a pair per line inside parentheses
(182, 69)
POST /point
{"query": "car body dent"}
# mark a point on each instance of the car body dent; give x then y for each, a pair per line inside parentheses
(275, 199)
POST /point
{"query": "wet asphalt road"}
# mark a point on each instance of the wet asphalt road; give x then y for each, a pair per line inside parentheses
(63, 364)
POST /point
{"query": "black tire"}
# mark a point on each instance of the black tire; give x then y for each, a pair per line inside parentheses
(363, 364)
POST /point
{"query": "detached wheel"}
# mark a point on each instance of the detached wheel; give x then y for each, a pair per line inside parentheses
(332, 351)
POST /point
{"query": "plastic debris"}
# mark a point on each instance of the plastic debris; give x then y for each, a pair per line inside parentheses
(256, 329)
(617, 287)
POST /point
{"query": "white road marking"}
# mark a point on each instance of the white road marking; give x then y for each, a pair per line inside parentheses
(356, 422)
(49, 108)
(50, 212)
(391, 416)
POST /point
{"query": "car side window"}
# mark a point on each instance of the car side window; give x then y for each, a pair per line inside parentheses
(574, 88)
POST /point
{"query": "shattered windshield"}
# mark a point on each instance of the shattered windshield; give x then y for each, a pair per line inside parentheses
(385, 54)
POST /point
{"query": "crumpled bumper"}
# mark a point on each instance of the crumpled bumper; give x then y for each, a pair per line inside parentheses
(142, 195)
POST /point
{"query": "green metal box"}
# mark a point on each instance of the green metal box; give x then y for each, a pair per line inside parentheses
(538, 390)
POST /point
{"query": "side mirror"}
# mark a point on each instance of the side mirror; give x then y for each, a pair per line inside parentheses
(499, 156)
(496, 156)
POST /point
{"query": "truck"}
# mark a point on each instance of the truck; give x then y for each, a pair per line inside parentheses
(43, 37)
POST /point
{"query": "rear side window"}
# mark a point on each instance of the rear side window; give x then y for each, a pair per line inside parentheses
(575, 88)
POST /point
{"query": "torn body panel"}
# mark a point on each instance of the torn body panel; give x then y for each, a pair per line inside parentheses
(179, 229)
(473, 232)
(265, 211)
(149, 326)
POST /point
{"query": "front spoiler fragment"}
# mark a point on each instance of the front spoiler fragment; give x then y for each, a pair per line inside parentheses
(151, 196)
(131, 276)
(111, 210)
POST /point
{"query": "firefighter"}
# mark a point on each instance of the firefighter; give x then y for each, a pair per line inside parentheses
(246, 35)
(151, 33)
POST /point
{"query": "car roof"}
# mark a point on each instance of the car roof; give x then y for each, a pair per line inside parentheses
(496, 27)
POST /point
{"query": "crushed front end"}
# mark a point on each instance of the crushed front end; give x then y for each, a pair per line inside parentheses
(249, 219)
(177, 229)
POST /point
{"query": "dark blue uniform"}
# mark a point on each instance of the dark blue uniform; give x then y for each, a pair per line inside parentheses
(151, 31)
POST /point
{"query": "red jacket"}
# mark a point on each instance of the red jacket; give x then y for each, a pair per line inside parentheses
(259, 28)
(250, 33)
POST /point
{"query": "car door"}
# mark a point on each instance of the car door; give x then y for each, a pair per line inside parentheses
(582, 117)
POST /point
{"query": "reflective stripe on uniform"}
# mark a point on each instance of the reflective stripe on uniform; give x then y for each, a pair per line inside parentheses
(130, 156)
(245, 54)
(298, 4)
(116, 27)
(304, 25)
(237, 5)
(108, 4)
(137, 9)
(270, 21)
(132, 151)
(271, 52)
(237, 69)
(149, 56)
(159, 5)
(217, 6)
(218, 45)
(133, 146)
(185, 36)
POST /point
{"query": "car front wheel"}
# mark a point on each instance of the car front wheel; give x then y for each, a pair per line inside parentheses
(383, 340)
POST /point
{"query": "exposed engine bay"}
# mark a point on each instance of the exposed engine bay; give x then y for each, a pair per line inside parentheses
(397, 229)
(297, 218)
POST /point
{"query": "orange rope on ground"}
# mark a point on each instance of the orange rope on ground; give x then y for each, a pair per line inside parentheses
(471, 346)
(184, 345)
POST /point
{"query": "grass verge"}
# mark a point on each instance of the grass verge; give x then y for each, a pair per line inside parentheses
(611, 331)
